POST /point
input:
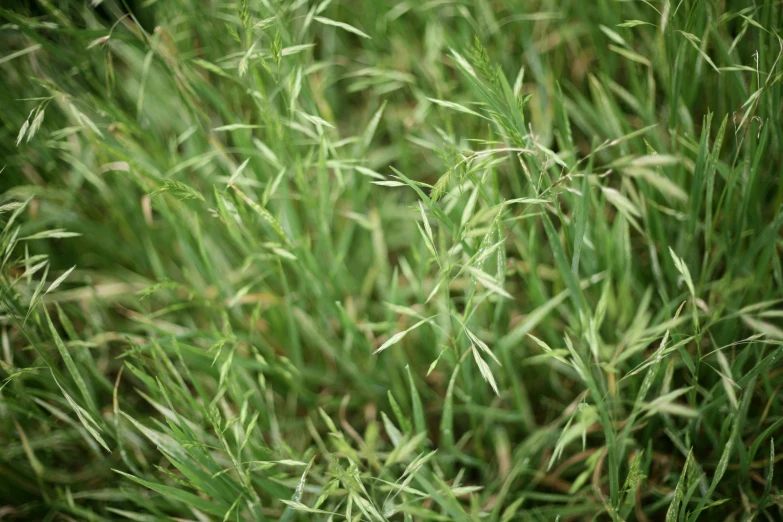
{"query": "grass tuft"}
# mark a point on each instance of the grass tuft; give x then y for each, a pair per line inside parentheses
(391, 260)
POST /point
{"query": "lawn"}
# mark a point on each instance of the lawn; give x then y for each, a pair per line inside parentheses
(389, 260)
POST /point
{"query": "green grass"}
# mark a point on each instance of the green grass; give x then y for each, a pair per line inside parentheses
(391, 260)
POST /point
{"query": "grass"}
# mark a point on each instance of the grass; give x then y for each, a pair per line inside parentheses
(391, 260)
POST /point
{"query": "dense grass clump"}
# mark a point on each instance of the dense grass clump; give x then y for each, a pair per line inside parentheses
(391, 260)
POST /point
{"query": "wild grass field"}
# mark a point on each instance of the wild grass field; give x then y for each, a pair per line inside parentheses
(391, 260)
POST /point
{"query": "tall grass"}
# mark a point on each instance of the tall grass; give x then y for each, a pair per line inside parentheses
(391, 260)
